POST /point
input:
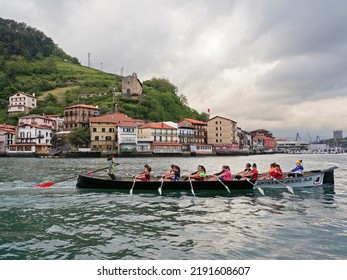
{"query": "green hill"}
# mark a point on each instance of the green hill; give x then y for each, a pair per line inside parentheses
(32, 63)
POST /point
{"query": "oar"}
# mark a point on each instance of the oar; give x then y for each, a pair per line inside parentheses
(289, 188)
(227, 188)
(161, 185)
(254, 185)
(131, 190)
(191, 187)
(51, 183)
(93, 171)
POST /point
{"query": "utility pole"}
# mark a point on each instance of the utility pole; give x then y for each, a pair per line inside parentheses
(89, 59)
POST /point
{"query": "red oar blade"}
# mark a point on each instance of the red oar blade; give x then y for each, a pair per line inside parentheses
(45, 185)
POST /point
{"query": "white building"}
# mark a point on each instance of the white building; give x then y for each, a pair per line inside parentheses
(291, 146)
(31, 140)
(127, 137)
(21, 102)
(7, 138)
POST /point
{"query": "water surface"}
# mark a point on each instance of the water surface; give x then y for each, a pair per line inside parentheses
(62, 222)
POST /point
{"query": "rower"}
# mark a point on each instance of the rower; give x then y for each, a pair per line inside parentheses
(145, 176)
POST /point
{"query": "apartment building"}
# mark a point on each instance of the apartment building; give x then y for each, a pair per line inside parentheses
(21, 102)
(222, 134)
(77, 116)
(158, 137)
(107, 130)
(7, 138)
(32, 140)
(199, 127)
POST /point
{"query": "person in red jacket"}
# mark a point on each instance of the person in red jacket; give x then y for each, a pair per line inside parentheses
(273, 172)
(279, 173)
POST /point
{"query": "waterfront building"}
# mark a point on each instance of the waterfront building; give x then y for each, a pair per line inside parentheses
(186, 132)
(77, 116)
(222, 134)
(127, 137)
(158, 137)
(104, 134)
(245, 140)
(7, 138)
(21, 102)
(32, 140)
(200, 129)
(264, 138)
(287, 146)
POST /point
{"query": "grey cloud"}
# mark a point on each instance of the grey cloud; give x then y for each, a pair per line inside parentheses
(256, 62)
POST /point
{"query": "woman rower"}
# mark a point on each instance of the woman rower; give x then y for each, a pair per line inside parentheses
(199, 175)
(145, 176)
(298, 171)
(224, 175)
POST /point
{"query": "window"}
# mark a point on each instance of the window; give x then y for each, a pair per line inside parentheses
(103, 129)
(96, 138)
(111, 130)
(108, 138)
(94, 129)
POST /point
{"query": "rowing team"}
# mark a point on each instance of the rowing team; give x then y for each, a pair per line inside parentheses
(249, 173)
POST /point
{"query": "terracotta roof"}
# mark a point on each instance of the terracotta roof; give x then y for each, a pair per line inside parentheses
(37, 126)
(10, 131)
(157, 125)
(111, 118)
(23, 93)
(193, 121)
(82, 106)
(7, 126)
(128, 124)
(262, 137)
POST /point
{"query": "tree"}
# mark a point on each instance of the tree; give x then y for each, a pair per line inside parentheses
(79, 137)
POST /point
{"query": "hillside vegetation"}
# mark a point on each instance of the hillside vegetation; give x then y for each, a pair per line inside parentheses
(32, 63)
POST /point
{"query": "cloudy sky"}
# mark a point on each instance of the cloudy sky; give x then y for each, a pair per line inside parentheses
(274, 64)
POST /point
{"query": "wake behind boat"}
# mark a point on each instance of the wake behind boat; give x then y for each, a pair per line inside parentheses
(125, 184)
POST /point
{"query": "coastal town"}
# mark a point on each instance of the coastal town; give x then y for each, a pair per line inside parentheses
(118, 134)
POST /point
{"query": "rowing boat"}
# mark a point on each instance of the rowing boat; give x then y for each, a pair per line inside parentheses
(310, 179)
